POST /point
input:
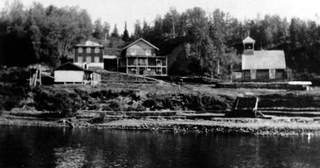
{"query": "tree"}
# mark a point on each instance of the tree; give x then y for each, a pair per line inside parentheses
(115, 33)
(137, 30)
(64, 28)
(145, 30)
(106, 30)
(295, 30)
(125, 36)
(98, 31)
(16, 49)
(157, 31)
(171, 25)
(198, 30)
(41, 35)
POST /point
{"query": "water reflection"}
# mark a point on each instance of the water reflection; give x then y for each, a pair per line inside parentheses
(69, 157)
(57, 147)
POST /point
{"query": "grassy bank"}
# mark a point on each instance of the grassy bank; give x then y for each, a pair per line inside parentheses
(68, 100)
(242, 126)
(157, 107)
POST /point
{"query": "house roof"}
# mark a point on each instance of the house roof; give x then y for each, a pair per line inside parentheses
(141, 39)
(70, 67)
(248, 40)
(97, 69)
(273, 59)
(94, 68)
(110, 57)
(89, 44)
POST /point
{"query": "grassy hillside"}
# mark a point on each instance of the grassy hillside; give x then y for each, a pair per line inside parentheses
(15, 94)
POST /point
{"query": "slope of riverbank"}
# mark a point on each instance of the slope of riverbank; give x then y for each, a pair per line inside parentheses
(217, 125)
(112, 97)
(158, 107)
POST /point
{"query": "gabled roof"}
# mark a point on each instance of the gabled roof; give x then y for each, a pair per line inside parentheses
(248, 40)
(97, 69)
(141, 39)
(94, 68)
(70, 67)
(89, 44)
(110, 57)
(273, 59)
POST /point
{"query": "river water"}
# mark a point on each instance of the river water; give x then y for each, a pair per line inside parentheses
(63, 147)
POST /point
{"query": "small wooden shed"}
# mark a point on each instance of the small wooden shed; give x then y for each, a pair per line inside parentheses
(70, 73)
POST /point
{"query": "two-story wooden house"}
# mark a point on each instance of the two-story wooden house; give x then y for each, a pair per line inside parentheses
(140, 58)
(88, 54)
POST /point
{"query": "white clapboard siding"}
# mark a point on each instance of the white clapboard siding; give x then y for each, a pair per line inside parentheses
(68, 76)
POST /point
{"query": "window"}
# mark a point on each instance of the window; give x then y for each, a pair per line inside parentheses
(158, 71)
(88, 50)
(246, 75)
(80, 59)
(142, 61)
(96, 59)
(262, 74)
(133, 51)
(148, 52)
(131, 61)
(80, 50)
(97, 50)
(164, 62)
(158, 62)
(151, 61)
(132, 70)
(88, 59)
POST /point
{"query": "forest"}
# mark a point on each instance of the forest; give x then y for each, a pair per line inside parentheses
(210, 42)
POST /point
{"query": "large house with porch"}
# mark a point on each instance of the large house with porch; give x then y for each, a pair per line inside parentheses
(140, 58)
(261, 65)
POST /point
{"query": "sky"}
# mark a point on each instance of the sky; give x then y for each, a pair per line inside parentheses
(121, 11)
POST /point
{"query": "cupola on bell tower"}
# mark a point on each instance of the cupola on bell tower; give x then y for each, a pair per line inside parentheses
(248, 45)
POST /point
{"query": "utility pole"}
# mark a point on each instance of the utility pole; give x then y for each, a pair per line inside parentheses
(173, 28)
(218, 66)
(231, 69)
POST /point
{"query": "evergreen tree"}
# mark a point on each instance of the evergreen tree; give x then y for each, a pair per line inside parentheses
(115, 33)
(137, 30)
(106, 30)
(125, 36)
(145, 30)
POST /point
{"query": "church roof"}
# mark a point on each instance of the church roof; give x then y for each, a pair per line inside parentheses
(273, 59)
(248, 40)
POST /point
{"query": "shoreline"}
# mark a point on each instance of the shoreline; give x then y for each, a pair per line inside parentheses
(278, 126)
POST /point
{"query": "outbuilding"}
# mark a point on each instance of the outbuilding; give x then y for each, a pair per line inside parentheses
(70, 73)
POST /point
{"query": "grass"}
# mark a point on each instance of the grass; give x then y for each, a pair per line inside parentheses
(140, 97)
